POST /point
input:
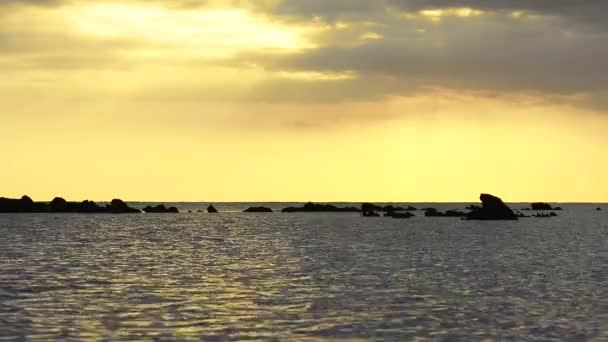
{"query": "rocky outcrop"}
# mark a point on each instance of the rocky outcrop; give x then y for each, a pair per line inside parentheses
(492, 208)
(543, 206)
(432, 212)
(258, 210)
(160, 209)
(211, 209)
(60, 205)
(316, 208)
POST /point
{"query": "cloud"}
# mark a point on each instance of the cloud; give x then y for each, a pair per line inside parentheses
(320, 51)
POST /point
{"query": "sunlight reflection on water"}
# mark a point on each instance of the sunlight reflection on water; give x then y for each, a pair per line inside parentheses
(304, 277)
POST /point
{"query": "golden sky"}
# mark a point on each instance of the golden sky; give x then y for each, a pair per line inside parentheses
(296, 100)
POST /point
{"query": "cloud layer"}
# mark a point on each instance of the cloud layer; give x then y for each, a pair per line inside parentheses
(322, 51)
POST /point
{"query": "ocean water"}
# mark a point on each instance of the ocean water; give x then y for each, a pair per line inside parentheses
(303, 277)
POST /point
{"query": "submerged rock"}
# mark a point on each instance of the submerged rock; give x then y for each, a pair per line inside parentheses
(160, 209)
(313, 208)
(545, 215)
(211, 209)
(492, 208)
(370, 213)
(405, 215)
(432, 212)
(258, 210)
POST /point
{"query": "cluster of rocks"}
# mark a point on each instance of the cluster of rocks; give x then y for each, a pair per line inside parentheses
(320, 208)
(59, 205)
(160, 209)
(432, 212)
(543, 207)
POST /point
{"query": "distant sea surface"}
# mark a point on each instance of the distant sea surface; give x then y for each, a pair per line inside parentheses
(303, 277)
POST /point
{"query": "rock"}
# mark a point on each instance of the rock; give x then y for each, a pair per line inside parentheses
(368, 207)
(211, 209)
(405, 215)
(90, 207)
(160, 209)
(492, 208)
(473, 207)
(539, 215)
(370, 213)
(598, 209)
(432, 212)
(543, 206)
(258, 210)
(117, 206)
(313, 208)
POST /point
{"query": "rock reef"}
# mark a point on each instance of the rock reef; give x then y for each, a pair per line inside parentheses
(432, 212)
(492, 208)
(60, 205)
(160, 209)
(316, 208)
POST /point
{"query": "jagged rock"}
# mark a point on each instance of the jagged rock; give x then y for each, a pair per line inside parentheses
(312, 207)
(211, 209)
(543, 206)
(432, 212)
(370, 213)
(91, 207)
(258, 210)
(492, 208)
(160, 209)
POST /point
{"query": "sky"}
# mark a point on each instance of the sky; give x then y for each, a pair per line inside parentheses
(298, 100)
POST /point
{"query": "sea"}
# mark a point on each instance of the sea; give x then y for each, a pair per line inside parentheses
(303, 276)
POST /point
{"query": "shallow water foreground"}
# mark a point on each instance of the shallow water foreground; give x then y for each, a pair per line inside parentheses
(303, 277)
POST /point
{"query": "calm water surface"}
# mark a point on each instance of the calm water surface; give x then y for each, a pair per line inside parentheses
(303, 277)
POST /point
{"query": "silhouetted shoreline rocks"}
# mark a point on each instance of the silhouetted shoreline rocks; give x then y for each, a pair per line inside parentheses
(432, 212)
(543, 206)
(211, 209)
(160, 209)
(492, 208)
(60, 205)
(320, 208)
(258, 210)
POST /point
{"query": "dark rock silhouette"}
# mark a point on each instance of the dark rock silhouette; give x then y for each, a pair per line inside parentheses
(258, 210)
(432, 212)
(314, 208)
(543, 206)
(160, 209)
(211, 209)
(60, 205)
(370, 213)
(539, 215)
(473, 207)
(598, 209)
(396, 215)
(119, 207)
(367, 207)
(492, 208)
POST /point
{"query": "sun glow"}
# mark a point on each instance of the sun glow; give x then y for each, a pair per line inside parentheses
(209, 32)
